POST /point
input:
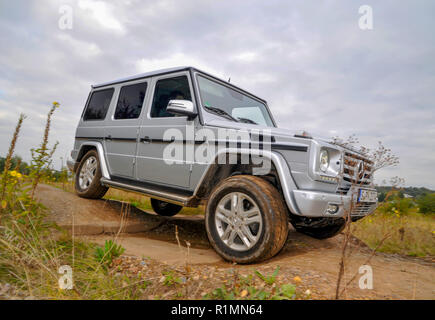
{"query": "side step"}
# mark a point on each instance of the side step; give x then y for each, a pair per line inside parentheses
(174, 195)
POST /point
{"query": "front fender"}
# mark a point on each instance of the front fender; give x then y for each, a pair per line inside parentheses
(281, 166)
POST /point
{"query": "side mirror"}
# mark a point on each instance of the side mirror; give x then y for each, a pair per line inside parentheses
(182, 108)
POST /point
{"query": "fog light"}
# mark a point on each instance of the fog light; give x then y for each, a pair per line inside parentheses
(332, 208)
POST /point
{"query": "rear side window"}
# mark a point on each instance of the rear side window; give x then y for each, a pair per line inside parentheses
(130, 101)
(98, 105)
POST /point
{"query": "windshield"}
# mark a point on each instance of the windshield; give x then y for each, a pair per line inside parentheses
(231, 104)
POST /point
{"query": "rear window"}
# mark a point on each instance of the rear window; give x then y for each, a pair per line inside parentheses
(130, 101)
(98, 105)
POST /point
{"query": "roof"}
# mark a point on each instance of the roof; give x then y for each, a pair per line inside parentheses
(141, 76)
(170, 70)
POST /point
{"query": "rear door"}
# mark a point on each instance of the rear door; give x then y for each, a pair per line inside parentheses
(122, 128)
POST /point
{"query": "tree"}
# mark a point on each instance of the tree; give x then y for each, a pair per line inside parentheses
(427, 203)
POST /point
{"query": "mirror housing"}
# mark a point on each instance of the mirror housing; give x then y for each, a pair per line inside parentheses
(182, 108)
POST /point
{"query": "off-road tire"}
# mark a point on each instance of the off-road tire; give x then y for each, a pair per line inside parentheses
(165, 209)
(95, 190)
(323, 232)
(274, 216)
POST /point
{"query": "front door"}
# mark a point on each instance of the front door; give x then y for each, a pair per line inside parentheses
(151, 164)
(122, 129)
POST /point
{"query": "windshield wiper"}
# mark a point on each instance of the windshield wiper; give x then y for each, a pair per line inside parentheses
(221, 112)
(246, 120)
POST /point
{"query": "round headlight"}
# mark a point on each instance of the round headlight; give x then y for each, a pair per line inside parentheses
(324, 160)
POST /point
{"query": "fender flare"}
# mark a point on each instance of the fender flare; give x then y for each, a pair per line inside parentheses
(100, 150)
(284, 174)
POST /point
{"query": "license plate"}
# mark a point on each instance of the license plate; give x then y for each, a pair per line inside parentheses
(367, 195)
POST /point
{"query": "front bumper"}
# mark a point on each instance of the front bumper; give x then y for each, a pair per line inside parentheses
(315, 204)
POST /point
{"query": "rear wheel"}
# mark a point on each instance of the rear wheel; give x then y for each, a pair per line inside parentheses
(165, 209)
(88, 176)
(246, 220)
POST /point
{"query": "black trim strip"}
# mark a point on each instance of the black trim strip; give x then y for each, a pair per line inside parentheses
(169, 141)
(106, 138)
(121, 139)
(289, 147)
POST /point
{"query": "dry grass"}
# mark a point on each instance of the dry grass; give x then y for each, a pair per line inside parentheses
(411, 234)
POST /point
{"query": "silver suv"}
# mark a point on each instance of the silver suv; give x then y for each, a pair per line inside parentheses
(184, 138)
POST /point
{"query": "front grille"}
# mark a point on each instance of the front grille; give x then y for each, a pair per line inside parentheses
(362, 209)
(357, 169)
(343, 189)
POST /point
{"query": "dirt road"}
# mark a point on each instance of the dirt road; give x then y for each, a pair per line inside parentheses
(316, 262)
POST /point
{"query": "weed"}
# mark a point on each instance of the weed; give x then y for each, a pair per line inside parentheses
(106, 254)
(268, 279)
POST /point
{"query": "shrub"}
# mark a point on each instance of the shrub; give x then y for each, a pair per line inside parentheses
(427, 203)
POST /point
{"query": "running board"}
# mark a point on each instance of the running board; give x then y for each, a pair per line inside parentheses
(179, 197)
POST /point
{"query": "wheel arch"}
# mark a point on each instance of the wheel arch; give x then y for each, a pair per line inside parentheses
(279, 174)
(93, 145)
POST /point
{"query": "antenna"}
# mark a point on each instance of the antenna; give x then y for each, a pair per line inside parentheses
(229, 79)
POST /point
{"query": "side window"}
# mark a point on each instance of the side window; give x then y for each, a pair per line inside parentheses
(98, 105)
(130, 101)
(169, 89)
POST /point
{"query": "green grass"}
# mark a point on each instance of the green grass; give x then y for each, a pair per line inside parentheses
(411, 234)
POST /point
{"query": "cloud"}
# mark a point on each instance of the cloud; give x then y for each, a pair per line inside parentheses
(308, 59)
(103, 13)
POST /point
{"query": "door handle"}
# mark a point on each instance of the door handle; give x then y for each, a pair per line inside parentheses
(145, 139)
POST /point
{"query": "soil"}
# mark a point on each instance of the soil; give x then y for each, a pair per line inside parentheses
(145, 235)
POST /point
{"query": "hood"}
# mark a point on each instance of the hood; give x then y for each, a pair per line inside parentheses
(280, 134)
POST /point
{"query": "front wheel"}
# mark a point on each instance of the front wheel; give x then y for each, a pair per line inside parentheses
(246, 220)
(165, 209)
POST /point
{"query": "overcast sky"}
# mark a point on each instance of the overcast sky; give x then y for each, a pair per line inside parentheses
(309, 59)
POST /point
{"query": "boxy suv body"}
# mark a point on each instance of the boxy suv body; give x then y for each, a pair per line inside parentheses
(130, 127)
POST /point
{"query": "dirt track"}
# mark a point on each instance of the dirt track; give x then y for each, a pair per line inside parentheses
(315, 261)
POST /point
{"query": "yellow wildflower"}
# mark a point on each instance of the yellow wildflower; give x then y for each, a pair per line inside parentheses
(56, 104)
(13, 173)
(244, 293)
(297, 279)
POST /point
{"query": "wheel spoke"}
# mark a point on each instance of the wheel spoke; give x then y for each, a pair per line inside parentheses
(225, 212)
(234, 203)
(251, 212)
(223, 218)
(244, 238)
(253, 219)
(226, 233)
(247, 232)
(231, 237)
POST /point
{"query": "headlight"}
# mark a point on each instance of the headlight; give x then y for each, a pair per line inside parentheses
(324, 160)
